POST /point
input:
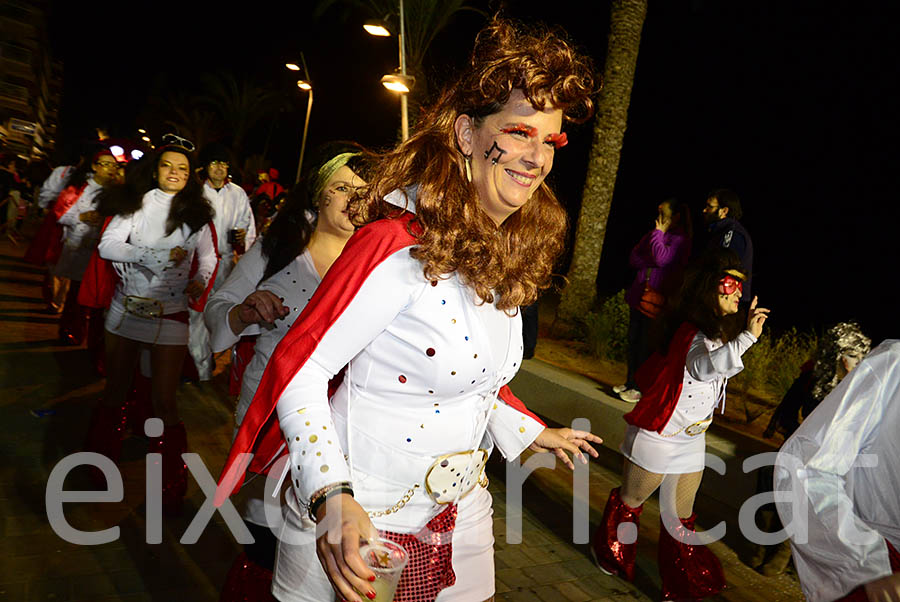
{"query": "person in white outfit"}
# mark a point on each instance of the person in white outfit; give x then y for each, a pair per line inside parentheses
(422, 309)
(837, 482)
(703, 339)
(264, 296)
(161, 222)
(81, 223)
(235, 232)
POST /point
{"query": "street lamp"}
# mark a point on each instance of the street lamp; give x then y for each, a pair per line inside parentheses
(292, 66)
(400, 83)
(376, 28)
(306, 86)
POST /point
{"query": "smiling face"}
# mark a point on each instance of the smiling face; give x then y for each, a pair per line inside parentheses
(511, 153)
(217, 171)
(172, 172)
(333, 203)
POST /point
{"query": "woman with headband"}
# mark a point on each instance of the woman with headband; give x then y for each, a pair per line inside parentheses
(422, 309)
(160, 223)
(264, 295)
(682, 383)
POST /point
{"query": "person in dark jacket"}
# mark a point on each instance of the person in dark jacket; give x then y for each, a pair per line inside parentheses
(722, 215)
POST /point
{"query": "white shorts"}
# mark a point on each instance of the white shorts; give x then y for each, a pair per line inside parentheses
(300, 578)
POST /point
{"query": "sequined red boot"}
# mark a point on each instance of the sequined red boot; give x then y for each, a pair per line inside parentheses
(689, 572)
(247, 582)
(171, 445)
(104, 436)
(613, 556)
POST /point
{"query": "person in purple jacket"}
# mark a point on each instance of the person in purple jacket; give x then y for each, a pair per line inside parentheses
(659, 258)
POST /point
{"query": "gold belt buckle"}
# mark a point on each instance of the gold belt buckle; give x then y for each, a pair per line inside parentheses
(698, 428)
(454, 472)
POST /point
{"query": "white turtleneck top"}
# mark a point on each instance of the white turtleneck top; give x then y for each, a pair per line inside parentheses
(139, 248)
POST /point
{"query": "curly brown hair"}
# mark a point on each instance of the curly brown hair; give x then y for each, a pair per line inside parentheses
(515, 259)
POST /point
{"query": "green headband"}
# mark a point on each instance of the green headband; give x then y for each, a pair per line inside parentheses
(327, 171)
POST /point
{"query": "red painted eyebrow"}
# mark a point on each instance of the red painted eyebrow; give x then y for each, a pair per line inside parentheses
(557, 140)
(520, 127)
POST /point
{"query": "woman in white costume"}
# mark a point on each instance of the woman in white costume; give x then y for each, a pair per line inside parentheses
(160, 223)
(422, 309)
(264, 296)
(703, 338)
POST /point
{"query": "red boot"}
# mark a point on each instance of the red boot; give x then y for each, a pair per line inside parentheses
(104, 436)
(611, 555)
(171, 445)
(689, 572)
(247, 582)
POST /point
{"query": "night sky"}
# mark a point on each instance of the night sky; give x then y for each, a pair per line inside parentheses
(791, 104)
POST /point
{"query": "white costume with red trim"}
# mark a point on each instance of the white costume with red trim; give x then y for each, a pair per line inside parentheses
(79, 238)
(425, 364)
(139, 248)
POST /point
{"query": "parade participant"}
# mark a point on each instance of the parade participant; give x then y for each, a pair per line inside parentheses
(682, 385)
(161, 220)
(54, 184)
(659, 258)
(264, 295)
(76, 211)
(236, 231)
(422, 310)
(839, 351)
(837, 479)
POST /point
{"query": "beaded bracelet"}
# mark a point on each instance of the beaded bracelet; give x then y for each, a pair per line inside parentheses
(322, 495)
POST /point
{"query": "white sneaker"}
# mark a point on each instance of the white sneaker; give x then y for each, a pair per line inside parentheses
(619, 388)
(631, 396)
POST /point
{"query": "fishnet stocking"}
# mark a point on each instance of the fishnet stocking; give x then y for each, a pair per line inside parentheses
(639, 484)
(676, 496)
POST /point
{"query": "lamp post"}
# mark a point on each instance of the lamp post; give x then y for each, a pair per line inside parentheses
(404, 112)
(303, 84)
(400, 83)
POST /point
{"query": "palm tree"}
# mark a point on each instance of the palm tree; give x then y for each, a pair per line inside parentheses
(240, 104)
(626, 22)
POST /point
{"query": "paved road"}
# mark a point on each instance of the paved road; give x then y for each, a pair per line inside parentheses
(36, 374)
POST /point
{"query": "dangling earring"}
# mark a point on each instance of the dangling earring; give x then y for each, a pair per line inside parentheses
(468, 159)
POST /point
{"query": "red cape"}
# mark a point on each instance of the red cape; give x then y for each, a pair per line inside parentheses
(260, 433)
(660, 380)
(99, 281)
(47, 243)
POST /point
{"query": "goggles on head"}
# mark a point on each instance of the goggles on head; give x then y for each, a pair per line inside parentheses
(733, 280)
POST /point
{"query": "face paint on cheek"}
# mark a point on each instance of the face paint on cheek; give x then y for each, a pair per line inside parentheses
(500, 153)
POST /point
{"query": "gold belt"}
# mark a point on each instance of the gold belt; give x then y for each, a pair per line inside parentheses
(692, 430)
(449, 474)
